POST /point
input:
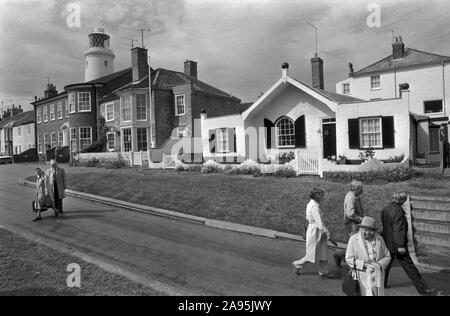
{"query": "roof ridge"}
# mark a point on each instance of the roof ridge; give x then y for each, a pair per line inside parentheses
(380, 60)
(425, 52)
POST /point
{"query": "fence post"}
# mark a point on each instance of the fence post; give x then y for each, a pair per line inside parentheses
(142, 160)
(131, 158)
(320, 165)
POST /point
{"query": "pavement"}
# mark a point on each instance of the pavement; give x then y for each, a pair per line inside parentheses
(178, 257)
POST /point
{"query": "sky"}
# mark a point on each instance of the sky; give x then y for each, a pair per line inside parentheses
(239, 44)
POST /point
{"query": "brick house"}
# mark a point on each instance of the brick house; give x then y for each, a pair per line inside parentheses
(135, 124)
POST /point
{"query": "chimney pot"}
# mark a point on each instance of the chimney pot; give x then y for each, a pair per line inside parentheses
(139, 63)
(190, 68)
(398, 48)
(317, 73)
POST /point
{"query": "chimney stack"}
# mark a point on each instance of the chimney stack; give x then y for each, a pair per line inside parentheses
(284, 71)
(190, 68)
(51, 91)
(139, 63)
(317, 73)
(398, 48)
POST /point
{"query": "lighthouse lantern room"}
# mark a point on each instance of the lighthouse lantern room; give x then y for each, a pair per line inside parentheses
(99, 58)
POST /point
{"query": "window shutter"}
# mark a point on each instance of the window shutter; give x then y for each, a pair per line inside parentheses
(388, 132)
(212, 141)
(353, 134)
(300, 132)
(270, 131)
(232, 139)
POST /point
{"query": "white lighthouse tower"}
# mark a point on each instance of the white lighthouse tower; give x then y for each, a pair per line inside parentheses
(99, 59)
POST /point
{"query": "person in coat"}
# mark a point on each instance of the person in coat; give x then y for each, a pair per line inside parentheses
(317, 236)
(395, 232)
(57, 178)
(368, 257)
(44, 193)
(353, 215)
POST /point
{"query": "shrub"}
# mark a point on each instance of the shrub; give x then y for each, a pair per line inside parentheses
(92, 163)
(285, 172)
(395, 159)
(116, 164)
(96, 147)
(367, 155)
(387, 174)
(190, 168)
(211, 167)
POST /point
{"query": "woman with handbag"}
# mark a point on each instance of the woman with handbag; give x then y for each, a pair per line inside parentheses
(368, 257)
(317, 236)
(44, 194)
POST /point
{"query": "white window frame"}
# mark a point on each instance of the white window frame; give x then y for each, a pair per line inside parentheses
(46, 143)
(223, 141)
(122, 109)
(131, 139)
(371, 82)
(176, 105)
(72, 139)
(277, 134)
(60, 140)
(71, 102)
(361, 132)
(45, 114)
(106, 111)
(52, 112)
(66, 108)
(137, 137)
(40, 139)
(29, 129)
(107, 141)
(79, 137)
(82, 104)
(39, 116)
(19, 131)
(59, 111)
(53, 140)
(145, 107)
(434, 113)
(344, 85)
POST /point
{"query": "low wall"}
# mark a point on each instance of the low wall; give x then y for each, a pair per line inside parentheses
(103, 156)
(370, 165)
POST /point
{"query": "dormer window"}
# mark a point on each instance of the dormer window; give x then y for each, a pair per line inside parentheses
(346, 88)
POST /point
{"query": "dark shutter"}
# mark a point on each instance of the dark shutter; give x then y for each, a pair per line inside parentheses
(353, 134)
(232, 139)
(212, 141)
(270, 131)
(300, 132)
(388, 132)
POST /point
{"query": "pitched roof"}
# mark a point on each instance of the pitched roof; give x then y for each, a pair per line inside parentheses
(19, 119)
(24, 118)
(167, 79)
(412, 58)
(110, 77)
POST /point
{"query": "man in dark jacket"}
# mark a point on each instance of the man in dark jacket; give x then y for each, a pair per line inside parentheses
(395, 232)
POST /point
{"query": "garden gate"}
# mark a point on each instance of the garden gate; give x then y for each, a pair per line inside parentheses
(308, 163)
(169, 161)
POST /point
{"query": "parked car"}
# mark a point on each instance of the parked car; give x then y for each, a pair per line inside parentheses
(6, 160)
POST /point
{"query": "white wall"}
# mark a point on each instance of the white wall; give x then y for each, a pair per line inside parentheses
(425, 84)
(25, 139)
(229, 121)
(394, 107)
(294, 103)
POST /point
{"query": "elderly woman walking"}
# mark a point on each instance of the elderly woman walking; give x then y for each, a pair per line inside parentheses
(368, 257)
(317, 236)
(44, 194)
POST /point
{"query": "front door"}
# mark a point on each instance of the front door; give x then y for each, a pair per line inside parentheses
(329, 140)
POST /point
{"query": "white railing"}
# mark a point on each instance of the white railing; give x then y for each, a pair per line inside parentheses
(308, 162)
(169, 161)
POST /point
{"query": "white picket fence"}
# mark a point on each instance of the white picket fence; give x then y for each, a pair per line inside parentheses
(308, 162)
(170, 161)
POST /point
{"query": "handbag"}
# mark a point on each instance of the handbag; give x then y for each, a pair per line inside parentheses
(350, 285)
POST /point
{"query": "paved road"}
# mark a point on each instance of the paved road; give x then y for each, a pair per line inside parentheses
(185, 256)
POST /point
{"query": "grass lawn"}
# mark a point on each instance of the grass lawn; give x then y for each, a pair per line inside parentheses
(268, 202)
(30, 269)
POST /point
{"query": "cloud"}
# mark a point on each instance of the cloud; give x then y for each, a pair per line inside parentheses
(239, 45)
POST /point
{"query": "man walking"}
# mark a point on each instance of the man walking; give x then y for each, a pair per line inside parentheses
(57, 177)
(353, 215)
(395, 232)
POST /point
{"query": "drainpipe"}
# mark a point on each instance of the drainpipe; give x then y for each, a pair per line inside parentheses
(443, 86)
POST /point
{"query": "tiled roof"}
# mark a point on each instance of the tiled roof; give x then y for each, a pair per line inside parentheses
(24, 118)
(412, 58)
(333, 96)
(19, 119)
(167, 79)
(245, 106)
(110, 77)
